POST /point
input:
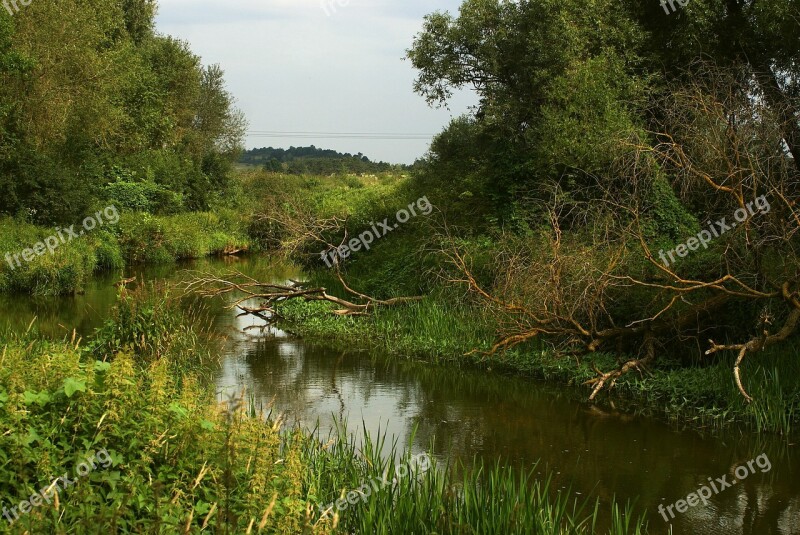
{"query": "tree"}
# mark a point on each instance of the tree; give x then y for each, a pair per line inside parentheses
(88, 88)
(759, 39)
(556, 81)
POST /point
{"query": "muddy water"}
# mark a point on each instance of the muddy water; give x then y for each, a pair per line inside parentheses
(462, 414)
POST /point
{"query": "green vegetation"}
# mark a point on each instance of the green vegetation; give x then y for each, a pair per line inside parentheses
(606, 134)
(63, 272)
(95, 104)
(138, 237)
(594, 152)
(434, 330)
(98, 110)
(314, 161)
(180, 462)
(452, 328)
(437, 501)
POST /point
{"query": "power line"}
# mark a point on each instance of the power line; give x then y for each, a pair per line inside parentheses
(341, 135)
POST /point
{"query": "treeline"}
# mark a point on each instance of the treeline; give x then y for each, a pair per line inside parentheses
(315, 161)
(95, 106)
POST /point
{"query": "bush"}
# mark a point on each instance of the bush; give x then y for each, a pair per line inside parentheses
(150, 239)
(214, 467)
(143, 197)
(65, 271)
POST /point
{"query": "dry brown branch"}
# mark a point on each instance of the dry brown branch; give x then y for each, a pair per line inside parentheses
(762, 341)
(300, 226)
(609, 379)
(245, 288)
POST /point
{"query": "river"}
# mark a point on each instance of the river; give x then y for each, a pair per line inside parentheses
(592, 452)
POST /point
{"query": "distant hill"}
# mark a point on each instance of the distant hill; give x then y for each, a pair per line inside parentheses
(311, 160)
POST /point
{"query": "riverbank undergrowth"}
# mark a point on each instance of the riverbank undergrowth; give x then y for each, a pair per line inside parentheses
(181, 463)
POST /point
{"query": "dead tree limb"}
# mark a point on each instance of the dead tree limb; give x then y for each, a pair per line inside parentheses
(764, 340)
(246, 288)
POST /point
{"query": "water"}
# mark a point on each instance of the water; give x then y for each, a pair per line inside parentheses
(464, 414)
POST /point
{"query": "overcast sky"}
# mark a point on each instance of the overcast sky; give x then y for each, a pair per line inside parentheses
(332, 66)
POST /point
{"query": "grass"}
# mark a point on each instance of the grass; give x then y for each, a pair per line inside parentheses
(395, 492)
(65, 271)
(447, 327)
(153, 240)
(430, 329)
(181, 463)
(137, 238)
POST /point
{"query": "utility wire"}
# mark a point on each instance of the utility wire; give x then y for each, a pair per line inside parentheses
(341, 135)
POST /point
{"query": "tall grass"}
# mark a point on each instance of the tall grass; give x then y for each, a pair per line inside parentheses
(444, 499)
(705, 394)
(430, 329)
(65, 271)
(137, 238)
(151, 239)
(181, 463)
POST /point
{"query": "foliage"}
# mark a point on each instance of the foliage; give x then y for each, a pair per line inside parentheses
(89, 90)
(608, 134)
(557, 85)
(152, 239)
(314, 161)
(143, 197)
(65, 271)
(152, 324)
(178, 461)
(137, 237)
(446, 499)
(447, 327)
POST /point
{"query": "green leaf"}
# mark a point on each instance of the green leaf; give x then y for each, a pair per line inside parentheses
(208, 426)
(178, 410)
(202, 507)
(41, 398)
(100, 366)
(73, 385)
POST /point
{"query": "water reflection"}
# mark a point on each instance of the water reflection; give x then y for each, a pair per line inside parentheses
(468, 414)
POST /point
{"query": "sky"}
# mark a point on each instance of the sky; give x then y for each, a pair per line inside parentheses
(320, 67)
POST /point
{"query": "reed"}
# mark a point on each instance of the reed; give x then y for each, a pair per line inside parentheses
(445, 499)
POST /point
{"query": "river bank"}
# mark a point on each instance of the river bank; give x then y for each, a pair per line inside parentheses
(456, 413)
(138, 391)
(133, 238)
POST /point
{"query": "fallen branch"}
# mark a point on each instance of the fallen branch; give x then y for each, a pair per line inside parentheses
(208, 285)
(761, 342)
